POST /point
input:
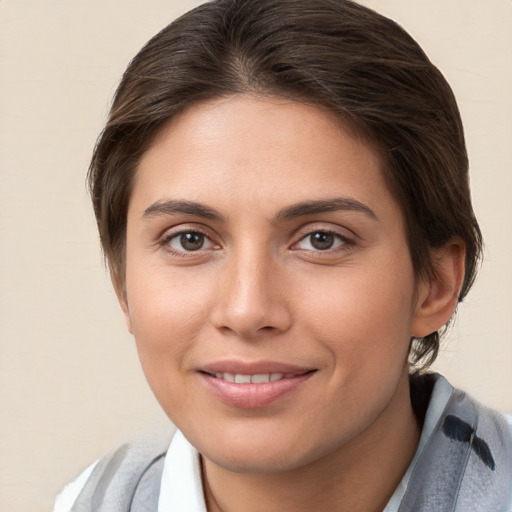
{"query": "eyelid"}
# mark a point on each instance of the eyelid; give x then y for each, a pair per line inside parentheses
(339, 241)
(345, 235)
(180, 229)
(315, 227)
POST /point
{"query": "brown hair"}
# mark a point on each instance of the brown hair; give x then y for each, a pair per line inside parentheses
(334, 53)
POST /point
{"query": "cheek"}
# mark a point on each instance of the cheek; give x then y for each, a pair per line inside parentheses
(167, 317)
(364, 318)
(167, 314)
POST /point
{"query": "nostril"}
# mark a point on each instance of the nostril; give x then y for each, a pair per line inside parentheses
(250, 317)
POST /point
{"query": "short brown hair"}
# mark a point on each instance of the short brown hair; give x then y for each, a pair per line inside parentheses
(334, 53)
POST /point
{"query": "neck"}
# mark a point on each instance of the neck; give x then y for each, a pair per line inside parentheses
(359, 476)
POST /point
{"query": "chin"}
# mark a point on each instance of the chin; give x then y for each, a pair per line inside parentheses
(258, 461)
(267, 453)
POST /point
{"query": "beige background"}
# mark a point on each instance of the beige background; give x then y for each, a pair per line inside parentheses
(70, 383)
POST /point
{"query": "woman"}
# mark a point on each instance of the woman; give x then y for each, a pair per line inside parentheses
(282, 195)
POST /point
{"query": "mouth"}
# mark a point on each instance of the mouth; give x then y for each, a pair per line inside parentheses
(256, 378)
(253, 388)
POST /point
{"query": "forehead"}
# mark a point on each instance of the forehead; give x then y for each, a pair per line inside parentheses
(261, 151)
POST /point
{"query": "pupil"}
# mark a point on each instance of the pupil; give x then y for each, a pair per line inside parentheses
(322, 241)
(192, 241)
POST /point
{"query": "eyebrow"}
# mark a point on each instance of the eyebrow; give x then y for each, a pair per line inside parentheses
(325, 205)
(170, 207)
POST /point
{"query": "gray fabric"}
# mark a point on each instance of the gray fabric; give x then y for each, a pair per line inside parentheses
(145, 498)
(466, 464)
(127, 480)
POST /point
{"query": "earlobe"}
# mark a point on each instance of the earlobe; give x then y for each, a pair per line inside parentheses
(119, 287)
(438, 297)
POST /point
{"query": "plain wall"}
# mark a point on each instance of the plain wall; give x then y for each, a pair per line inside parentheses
(71, 387)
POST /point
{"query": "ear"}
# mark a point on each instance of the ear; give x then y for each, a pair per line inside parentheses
(438, 296)
(118, 282)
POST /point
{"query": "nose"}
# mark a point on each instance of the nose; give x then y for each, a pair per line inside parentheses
(252, 298)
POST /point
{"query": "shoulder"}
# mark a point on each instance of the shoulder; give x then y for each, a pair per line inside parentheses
(128, 474)
(465, 453)
(64, 501)
(508, 419)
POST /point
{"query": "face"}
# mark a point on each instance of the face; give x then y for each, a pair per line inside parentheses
(269, 285)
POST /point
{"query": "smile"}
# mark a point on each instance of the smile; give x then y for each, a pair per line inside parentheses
(253, 389)
(258, 378)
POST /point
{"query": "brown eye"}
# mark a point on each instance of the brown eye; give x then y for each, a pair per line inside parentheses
(188, 241)
(192, 241)
(322, 241)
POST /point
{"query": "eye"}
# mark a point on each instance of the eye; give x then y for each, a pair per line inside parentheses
(321, 241)
(188, 241)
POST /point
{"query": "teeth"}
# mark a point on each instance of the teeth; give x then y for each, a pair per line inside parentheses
(258, 378)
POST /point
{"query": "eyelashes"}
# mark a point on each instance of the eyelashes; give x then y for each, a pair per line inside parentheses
(322, 241)
(187, 242)
(194, 241)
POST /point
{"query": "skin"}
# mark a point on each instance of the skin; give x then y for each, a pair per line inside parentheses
(260, 289)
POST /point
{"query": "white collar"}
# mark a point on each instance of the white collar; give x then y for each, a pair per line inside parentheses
(182, 488)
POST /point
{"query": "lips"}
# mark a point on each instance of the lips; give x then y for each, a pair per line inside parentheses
(253, 385)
